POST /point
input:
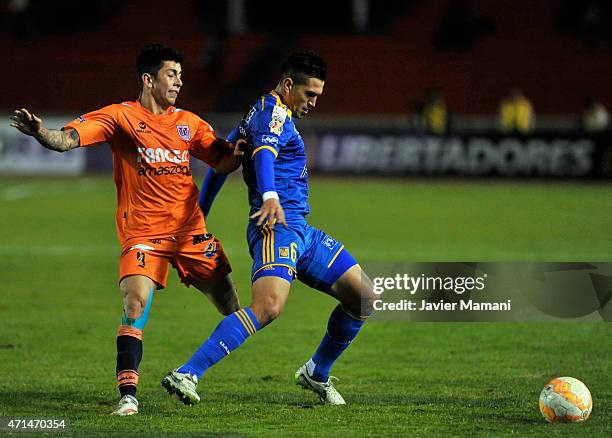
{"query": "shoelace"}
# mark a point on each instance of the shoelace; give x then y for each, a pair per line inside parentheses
(331, 380)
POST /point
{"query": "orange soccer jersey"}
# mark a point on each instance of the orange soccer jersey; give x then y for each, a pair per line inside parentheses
(156, 195)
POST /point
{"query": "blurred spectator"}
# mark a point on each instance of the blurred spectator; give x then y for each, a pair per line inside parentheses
(595, 116)
(435, 113)
(516, 113)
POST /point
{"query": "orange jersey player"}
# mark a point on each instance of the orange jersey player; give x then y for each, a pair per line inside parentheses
(158, 219)
(156, 195)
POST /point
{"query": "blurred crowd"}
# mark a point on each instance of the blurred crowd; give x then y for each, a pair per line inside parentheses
(516, 114)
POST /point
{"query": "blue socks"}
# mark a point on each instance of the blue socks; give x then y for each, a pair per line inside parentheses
(234, 329)
(342, 328)
(231, 332)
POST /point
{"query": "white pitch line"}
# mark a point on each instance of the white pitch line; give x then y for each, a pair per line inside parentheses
(83, 250)
(30, 190)
(362, 255)
(15, 193)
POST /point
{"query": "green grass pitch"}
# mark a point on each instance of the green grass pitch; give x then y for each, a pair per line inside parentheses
(60, 306)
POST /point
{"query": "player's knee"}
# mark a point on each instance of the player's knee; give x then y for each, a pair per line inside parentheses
(223, 294)
(267, 310)
(356, 293)
(135, 298)
(133, 306)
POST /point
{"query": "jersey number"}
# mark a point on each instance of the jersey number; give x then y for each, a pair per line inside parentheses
(293, 251)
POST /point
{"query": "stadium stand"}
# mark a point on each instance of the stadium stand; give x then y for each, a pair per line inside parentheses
(69, 72)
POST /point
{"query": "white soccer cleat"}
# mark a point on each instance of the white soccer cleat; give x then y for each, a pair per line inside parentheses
(184, 385)
(128, 405)
(325, 390)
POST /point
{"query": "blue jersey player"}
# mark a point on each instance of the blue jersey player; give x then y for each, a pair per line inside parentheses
(283, 245)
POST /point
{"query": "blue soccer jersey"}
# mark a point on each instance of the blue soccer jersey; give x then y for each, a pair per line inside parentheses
(268, 126)
(297, 250)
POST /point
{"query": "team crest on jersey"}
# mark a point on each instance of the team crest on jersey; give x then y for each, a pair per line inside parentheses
(184, 132)
(329, 242)
(283, 252)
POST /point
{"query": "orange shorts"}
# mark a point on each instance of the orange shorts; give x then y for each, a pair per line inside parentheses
(196, 258)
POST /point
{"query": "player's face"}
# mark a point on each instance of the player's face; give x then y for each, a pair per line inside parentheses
(167, 84)
(303, 98)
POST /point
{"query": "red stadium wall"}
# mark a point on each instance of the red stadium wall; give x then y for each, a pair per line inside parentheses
(368, 73)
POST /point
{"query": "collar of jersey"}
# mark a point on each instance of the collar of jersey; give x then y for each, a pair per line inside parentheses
(279, 102)
(159, 118)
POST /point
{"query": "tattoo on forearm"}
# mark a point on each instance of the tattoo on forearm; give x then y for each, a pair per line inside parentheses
(56, 140)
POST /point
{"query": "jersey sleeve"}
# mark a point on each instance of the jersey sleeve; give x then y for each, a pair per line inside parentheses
(234, 136)
(268, 128)
(206, 146)
(98, 126)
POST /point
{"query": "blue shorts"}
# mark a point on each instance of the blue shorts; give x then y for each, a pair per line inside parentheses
(299, 250)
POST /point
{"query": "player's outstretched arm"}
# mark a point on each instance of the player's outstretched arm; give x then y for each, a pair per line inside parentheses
(213, 182)
(54, 139)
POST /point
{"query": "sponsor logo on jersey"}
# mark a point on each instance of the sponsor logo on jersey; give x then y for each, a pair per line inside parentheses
(164, 170)
(276, 126)
(279, 113)
(142, 128)
(283, 252)
(199, 238)
(329, 242)
(184, 132)
(140, 256)
(81, 119)
(210, 250)
(269, 139)
(160, 155)
(249, 115)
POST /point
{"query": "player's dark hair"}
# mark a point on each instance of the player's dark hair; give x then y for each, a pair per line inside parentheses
(301, 66)
(151, 58)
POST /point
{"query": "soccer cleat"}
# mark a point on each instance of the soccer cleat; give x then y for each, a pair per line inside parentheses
(184, 385)
(325, 390)
(128, 405)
